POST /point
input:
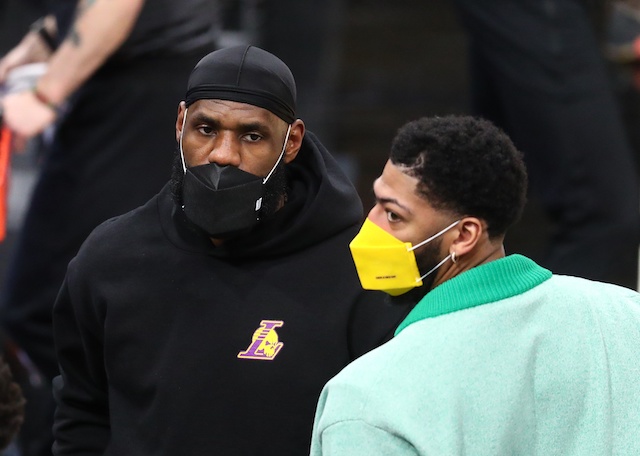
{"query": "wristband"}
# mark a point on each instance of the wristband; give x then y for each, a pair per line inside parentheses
(44, 100)
(39, 28)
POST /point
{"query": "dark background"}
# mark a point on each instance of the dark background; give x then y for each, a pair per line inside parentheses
(385, 63)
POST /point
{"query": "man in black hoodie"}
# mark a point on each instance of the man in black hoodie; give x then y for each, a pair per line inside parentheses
(208, 320)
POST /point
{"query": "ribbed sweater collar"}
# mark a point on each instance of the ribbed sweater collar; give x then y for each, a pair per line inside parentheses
(490, 282)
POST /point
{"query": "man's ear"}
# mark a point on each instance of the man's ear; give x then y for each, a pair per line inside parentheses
(181, 108)
(294, 143)
(470, 230)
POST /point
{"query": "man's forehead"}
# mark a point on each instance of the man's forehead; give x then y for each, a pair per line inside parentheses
(396, 184)
(222, 110)
(396, 178)
(216, 104)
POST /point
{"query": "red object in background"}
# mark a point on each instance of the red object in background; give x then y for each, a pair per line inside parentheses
(5, 149)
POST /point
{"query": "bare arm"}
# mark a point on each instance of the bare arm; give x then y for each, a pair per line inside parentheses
(100, 29)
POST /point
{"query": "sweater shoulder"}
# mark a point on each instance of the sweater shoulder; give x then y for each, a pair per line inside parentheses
(569, 289)
(124, 234)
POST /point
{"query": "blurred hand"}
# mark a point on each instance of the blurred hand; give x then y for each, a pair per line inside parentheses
(25, 115)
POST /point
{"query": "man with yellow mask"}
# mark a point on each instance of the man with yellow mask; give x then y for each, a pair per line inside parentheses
(499, 356)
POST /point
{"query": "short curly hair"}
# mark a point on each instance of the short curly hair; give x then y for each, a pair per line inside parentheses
(11, 405)
(466, 165)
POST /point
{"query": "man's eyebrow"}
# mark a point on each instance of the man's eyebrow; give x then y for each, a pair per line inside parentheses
(243, 127)
(392, 201)
(200, 117)
(254, 126)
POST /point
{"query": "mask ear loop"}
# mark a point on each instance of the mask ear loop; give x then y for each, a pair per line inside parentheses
(184, 120)
(284, 147)
(439, 233)
(435, 267)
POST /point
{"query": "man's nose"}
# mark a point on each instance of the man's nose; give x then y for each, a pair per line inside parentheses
(226, 151)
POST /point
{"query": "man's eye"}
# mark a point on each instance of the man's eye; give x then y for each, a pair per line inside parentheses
(392, 217)
(253, 137)
(205, 130)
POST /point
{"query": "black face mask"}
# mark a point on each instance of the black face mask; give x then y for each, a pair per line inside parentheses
(222, 200)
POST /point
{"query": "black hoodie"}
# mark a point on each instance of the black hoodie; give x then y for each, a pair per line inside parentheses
(171, 346)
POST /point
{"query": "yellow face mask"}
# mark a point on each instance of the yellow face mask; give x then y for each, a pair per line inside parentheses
(386, 263)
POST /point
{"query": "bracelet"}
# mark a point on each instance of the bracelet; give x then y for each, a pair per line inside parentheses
(44, 100)
(39, 28)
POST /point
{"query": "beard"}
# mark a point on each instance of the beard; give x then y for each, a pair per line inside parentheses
(427, 258)
(177, 178)
(275, 192)
(274, 195)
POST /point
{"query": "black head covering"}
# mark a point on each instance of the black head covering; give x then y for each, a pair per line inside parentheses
(246, 74)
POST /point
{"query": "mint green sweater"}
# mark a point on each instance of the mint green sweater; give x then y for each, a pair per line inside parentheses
(504, 359)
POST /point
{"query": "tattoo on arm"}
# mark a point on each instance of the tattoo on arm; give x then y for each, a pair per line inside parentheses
(74, 34)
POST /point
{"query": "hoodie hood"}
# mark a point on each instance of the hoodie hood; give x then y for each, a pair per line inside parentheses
(321, 203)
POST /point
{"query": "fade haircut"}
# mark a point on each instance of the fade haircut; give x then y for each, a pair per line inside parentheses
(466, 166)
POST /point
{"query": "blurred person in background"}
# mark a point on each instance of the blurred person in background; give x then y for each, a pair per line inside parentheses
(317, 25)
(622, 32)
(538, 72)
(115, 72)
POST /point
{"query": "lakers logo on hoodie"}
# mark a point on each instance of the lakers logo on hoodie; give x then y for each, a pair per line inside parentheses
(265, 344)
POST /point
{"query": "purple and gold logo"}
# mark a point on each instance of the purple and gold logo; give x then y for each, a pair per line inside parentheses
(264, 344)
